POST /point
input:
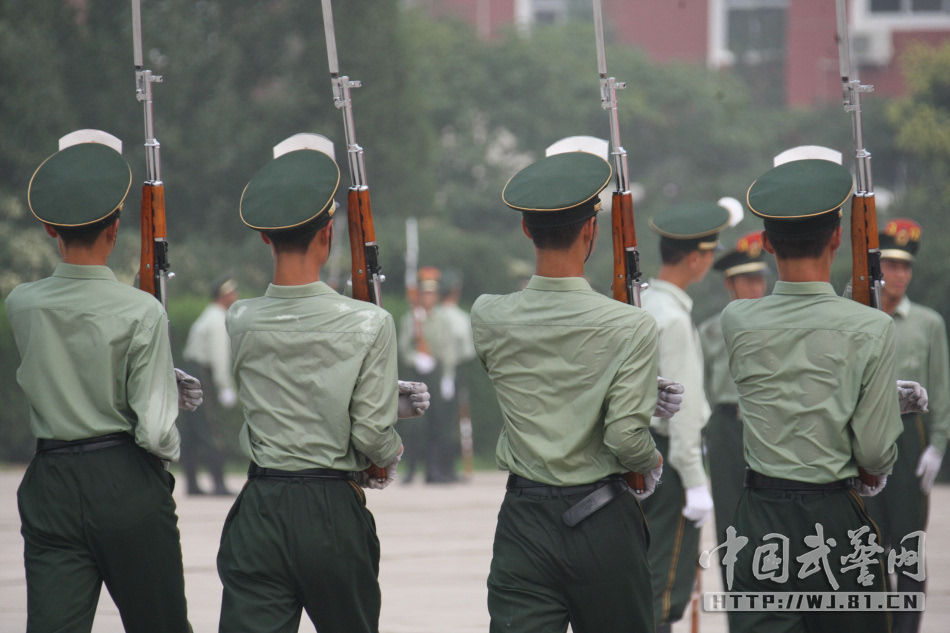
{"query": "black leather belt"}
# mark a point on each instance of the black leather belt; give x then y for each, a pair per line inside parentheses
(84, 445)
(257, 472)
(760, 481)
(731, 410)
(599, 494)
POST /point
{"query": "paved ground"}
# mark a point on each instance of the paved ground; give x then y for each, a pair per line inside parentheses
(436, 543)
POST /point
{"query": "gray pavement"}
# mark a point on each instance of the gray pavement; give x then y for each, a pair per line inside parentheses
(436, 551)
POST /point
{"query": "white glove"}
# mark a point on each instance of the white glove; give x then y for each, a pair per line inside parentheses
(699, 504)
(424, 363)
(650, 480)
(912, 397)
(869, 491)
(669, 398)
(928, 467)
(413, 399)
(447, 387)
(190, 395)
(227, 397)
(364, 479)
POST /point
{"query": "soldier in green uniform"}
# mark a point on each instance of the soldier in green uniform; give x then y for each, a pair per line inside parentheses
(96, 503)
(745, 275)
(207, 355)
(816, 375)
(429, 351)
(316, 373)
(574, 373)
(902, 507)
(689, 235)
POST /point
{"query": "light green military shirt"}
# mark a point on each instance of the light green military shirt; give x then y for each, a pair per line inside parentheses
(208, 344)
(95, 359)
(316, 373)
(447, 331)
(817, 383)
(459, 347)
(681, 359)
(922, 357)
(575, 375)
(719, 387)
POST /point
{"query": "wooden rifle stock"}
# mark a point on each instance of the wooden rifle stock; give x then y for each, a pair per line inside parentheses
(866, 259)
(365, 253)
(624, 235)
(365, 266)
(154, 247)
(864, 240)
(422, 345)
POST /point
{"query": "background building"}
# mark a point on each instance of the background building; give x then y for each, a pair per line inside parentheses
(785, 49)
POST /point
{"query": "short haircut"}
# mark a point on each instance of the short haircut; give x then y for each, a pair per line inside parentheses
(297, 239)
(673, 252)
(801, 247)
(558, 238)
(85, 236)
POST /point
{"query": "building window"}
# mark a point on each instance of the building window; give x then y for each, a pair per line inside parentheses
(755, 37)
(910, 6)
(549, 11)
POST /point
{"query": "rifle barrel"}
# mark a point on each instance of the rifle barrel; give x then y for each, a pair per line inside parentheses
(867, 278)
(608, 100)
(331, 38)
(137, 33)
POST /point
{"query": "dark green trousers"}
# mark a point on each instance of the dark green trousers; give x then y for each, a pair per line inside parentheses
(674, 549)
(724, 451)
(726, 458)
(101, 516)
(794, 515)
(545, 574)
(200, 440)
(901, 508)
(296, 544)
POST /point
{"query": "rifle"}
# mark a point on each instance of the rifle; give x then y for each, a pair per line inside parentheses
(412, 283)
(366, 271)
(626, 274)
(153, 268)
(465, 432)
(866, 275)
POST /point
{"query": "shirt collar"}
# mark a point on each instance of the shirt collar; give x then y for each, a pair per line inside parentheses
(557, 284)
(903, 308)
(295, 292)
(803, 288)
(78, 271)
(675, 291)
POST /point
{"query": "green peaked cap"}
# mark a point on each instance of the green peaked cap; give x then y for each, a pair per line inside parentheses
(79, 185)
(290, 191)
(558, 190)
(802, 197)
(693, 224)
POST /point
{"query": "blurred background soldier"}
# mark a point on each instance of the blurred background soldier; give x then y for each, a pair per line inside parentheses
(745, 274)
(457, 350)
(430, 353)
(689, 235)
(207, 355)
(902, 507)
